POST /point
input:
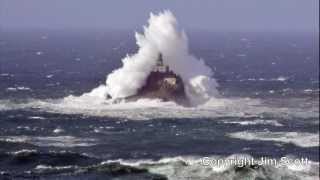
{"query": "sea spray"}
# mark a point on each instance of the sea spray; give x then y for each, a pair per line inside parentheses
(162, 35)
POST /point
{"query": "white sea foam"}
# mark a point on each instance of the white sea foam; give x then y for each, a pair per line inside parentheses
(49, 76)
(24, 151)
(282, 78)
(39, 53)
(162, 35)
(56, 141)
(6, 75)
(145, 109)
(11, 89)
(46, 167)
(193, 167)
(36, 117)
(256, 122)
(19, 88)
(301, 139)
(58, 130)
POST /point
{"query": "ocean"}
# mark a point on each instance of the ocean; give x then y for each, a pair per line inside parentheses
(267, 109)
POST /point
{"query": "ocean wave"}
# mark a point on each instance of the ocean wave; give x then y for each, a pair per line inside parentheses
(55, 141)
(236, 166)
(301, 139)
(194, 167)
(7, 75)
(60, 165)
(145, 109)
(36, 117)
(19, 88)
(256, 122)
(280, 78)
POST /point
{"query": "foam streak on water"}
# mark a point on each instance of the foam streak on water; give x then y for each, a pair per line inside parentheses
(218, 107)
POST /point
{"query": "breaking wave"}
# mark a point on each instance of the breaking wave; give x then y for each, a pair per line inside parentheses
(145, 109)
(301, 139)
(55, 141)
(63, 164)
(194, 167)
(162, 35)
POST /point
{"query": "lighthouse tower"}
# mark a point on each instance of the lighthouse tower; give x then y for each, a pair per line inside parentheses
(160, 67)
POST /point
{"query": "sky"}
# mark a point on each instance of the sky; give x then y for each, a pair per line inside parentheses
(210, 15)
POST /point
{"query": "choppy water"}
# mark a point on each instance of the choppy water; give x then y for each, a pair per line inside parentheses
(268, 108)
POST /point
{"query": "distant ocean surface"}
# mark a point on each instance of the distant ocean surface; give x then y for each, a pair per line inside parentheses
(268, 108)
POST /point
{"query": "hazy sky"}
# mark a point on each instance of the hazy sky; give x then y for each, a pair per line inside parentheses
(213, 15)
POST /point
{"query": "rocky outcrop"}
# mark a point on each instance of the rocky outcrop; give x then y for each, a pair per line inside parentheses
(164, 84)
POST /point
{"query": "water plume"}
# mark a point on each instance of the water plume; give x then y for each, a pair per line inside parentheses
(162, 35)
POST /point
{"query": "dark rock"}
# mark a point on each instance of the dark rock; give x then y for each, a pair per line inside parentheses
(116, 169)
(162, 83)
(246, 168)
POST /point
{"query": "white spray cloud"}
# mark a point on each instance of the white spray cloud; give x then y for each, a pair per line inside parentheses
(162, 35)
